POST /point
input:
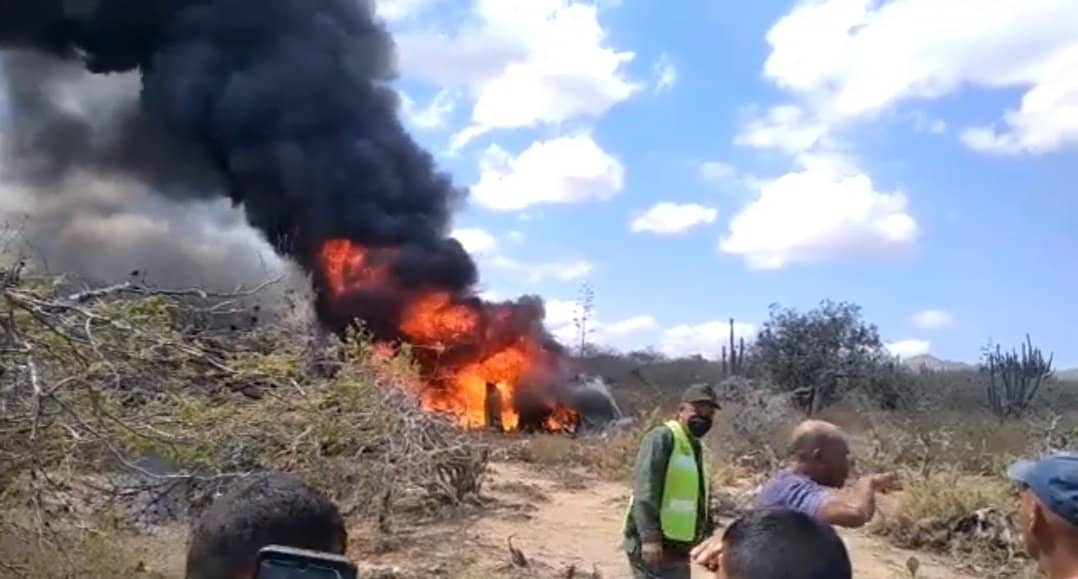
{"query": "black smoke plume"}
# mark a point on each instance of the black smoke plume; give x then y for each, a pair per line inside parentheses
(285, 108)
(282, 105)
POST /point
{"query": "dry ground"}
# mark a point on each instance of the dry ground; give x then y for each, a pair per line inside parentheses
(573, 519)
(556, 519)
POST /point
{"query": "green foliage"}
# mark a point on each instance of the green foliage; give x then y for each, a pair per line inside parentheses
(819, 355)
(98, 383)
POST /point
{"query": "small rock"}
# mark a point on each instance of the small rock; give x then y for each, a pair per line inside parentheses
(380, 572)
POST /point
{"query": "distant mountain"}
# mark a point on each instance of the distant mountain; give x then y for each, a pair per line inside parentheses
(930, 362)
(1068, 375)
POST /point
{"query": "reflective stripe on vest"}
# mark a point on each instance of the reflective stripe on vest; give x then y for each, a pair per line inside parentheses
(681, 492)
(681, 488)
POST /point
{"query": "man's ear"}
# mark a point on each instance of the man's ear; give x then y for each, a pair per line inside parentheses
(1037, 521)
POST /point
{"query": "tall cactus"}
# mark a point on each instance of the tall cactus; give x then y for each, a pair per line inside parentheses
(732, 359)
(1015, 378)
(741, 353)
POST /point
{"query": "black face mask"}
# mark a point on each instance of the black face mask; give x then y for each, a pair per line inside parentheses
(699, 425)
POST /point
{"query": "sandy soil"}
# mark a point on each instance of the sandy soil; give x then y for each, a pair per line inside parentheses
(570, 520)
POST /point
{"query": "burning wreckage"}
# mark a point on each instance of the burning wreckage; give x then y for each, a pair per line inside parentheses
(288, 111)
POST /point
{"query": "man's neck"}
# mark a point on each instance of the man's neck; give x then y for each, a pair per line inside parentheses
(1061, 564)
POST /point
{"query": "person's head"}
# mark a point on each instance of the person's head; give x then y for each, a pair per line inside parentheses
(1048, 509)
(822, 452)
(697, 409)
(264, 509)
(777, 543)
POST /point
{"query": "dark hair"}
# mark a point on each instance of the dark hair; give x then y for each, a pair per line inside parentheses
(264, 509)
(777, 543)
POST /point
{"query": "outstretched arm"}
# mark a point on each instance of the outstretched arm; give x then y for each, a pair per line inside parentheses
(856, 505)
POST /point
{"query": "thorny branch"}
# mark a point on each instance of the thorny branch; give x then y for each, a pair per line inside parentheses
(127, 395)
(65, 361)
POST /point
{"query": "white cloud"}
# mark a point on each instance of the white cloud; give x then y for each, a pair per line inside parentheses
(484, 246)
(786, 127)
(569, 169)
(667, 218)
(433, 116)
(487, 249)
(923, 123)
(855, 58)
(516, 236)
(716, 170)
(562, 316)
(704, 339)
(628, 327)
(1046, 121)
(564, 270)
(476, 241)
(909, 348)
(398, 10)
(826, 210)
(932, 319)
(524, 63)
(665, 74)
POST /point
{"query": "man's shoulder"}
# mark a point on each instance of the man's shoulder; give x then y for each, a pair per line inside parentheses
(659, 433)
(791, 490)
(660, 430)
(788, 479)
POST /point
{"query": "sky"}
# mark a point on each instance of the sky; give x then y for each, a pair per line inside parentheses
(701, 160)
(697, 163)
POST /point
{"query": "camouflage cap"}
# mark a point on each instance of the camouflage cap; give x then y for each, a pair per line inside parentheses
(700, 393)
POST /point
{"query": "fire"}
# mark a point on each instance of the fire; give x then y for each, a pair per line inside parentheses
(434, 318)
(461, 343)
(348, 266)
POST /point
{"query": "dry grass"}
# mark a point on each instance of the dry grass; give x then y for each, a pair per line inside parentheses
(917, 516)
(969, 517)
(125, 409)
(610, 456)
(101, 554)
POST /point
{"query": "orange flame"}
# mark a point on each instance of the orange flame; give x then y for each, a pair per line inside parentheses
(437, 323)
(433, 318)
(349, 267)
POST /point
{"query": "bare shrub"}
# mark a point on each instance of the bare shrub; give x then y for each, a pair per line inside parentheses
(147, 402)
(610, 454)
(951, 512)
(752, 425)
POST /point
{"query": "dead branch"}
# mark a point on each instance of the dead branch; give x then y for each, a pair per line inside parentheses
(123, 396)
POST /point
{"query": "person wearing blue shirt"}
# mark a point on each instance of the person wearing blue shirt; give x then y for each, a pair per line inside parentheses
(814, 482)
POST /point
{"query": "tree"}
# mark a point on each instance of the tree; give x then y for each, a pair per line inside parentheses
(819, 355)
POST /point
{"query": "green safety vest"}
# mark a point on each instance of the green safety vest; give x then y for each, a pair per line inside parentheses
(681, 490)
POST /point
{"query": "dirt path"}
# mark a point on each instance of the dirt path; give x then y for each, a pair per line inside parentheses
(576, 520)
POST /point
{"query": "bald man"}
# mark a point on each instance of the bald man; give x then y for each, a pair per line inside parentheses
(813, 484)
(1048, 512)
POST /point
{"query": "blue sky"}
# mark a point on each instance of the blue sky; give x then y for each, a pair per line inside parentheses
(702, 162)
(697, 163)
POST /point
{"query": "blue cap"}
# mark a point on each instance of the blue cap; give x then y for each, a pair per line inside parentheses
(1054, 479)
